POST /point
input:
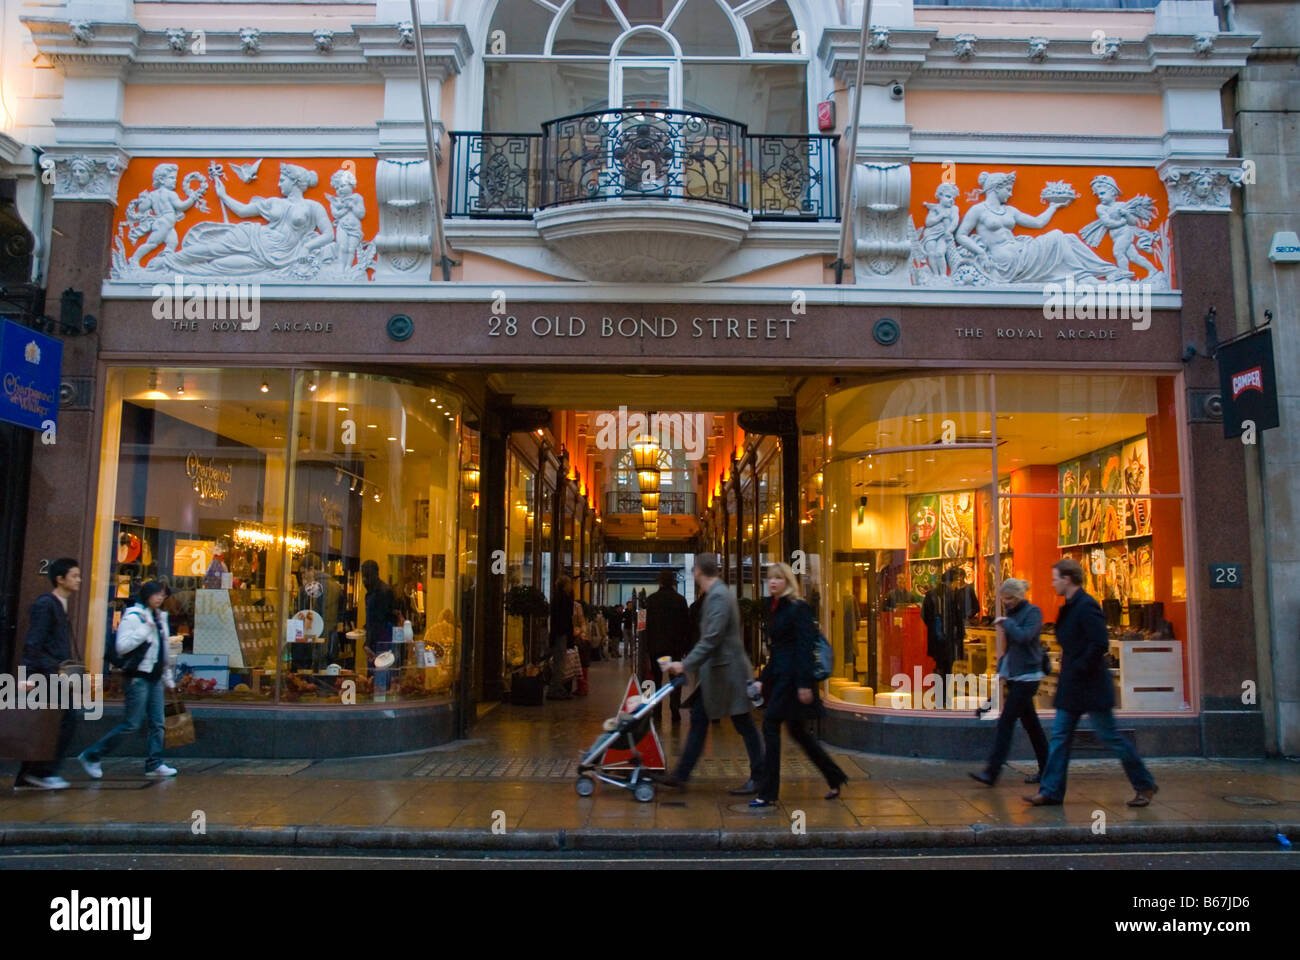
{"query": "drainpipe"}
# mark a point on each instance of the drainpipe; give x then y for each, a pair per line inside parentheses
(851, 156)
(440, 258)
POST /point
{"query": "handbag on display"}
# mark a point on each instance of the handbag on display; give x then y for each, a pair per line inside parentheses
(178, 724)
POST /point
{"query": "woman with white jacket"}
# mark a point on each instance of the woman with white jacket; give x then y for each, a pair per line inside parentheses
(141, 646)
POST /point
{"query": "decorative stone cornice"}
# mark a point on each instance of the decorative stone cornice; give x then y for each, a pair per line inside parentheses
(1201, 186)
(929, 58)
(89, 174)
(88, 48)
(367, 49)
(447, 47)
(904, 53)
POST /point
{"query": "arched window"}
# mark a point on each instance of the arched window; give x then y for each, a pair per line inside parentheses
(739, 59)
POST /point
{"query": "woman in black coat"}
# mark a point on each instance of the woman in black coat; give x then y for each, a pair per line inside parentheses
(791, 690)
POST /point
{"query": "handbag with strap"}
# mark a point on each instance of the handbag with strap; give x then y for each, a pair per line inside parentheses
(178, 723)
(823, 658)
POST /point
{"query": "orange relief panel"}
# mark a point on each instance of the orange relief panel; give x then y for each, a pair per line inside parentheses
(1096, 209)
(302, 218)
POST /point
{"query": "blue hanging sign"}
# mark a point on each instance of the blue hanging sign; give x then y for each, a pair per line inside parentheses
(31, 365)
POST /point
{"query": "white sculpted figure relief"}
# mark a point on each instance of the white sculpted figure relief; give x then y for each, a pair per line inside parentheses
(937, 236)
(981, 247)
(157, 211)
(289, 237)
(1123, 222)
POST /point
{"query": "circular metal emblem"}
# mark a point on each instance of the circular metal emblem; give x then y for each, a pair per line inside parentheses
(886, 332)
(400, 327)
(1214, 406)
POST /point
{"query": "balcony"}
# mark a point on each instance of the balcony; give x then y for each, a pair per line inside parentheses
(642, 195)
(622, 527)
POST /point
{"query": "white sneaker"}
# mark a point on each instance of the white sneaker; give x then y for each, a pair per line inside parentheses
(31, 782)
(162, 770)
(93, 770)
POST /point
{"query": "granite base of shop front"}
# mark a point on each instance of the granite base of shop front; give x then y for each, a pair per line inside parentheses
(258, 732)
(1222, 733)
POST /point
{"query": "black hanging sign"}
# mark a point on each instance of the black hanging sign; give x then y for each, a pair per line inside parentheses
(1247, 383)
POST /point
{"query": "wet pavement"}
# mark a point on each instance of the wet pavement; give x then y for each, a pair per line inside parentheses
(517, 772)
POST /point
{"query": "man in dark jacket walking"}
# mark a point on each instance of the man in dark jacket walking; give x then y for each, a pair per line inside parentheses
(719, 660)
(1084, 687)
(48, 644)
(667, 634)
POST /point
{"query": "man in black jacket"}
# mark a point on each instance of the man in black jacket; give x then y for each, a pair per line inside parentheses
(667, 634)
(48, 644)
(1084, 687)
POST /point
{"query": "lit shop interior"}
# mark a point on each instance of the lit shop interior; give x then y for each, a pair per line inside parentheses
(317, 530)
(899, 488)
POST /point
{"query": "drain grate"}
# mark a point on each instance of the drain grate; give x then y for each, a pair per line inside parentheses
(1243, 801)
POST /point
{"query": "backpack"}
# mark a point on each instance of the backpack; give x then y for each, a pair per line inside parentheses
(128, 662)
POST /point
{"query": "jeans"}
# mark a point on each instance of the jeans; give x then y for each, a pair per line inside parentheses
(769, 787)
(50, 768)
(1019, 706)
(1103, 724)
(144, 703)
(744, 725)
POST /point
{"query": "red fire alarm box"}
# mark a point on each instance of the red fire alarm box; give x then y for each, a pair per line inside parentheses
(826, 115)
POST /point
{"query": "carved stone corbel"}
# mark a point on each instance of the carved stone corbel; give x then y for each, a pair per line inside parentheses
(1204, 187)
(85, 174)
(405, 198)
(882, 224)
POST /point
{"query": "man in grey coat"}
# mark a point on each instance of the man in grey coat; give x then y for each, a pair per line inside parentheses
(719, 660)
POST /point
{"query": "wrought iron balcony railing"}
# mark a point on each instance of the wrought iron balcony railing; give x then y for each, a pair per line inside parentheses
(680, 504)
(638, 154)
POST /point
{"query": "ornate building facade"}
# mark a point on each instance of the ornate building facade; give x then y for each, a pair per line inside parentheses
(314, 352)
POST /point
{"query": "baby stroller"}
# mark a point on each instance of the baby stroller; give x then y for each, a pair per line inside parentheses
(628, 729)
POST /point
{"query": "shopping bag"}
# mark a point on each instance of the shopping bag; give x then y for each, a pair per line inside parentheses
(29, 734)
(572, 663)
(178, 724)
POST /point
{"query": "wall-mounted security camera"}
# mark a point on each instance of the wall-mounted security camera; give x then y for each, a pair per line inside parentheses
(896, 91)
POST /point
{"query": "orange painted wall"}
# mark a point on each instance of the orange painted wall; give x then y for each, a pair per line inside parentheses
(1034, 536)
(139, 176)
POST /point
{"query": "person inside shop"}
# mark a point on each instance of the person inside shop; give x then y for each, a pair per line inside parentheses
(381, 611)
(318, 594)
(945, 611)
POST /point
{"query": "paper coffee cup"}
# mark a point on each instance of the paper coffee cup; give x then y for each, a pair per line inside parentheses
(664, 662)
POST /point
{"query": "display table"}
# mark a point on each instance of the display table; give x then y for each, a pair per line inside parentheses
(894, 699)
(1151, 675)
